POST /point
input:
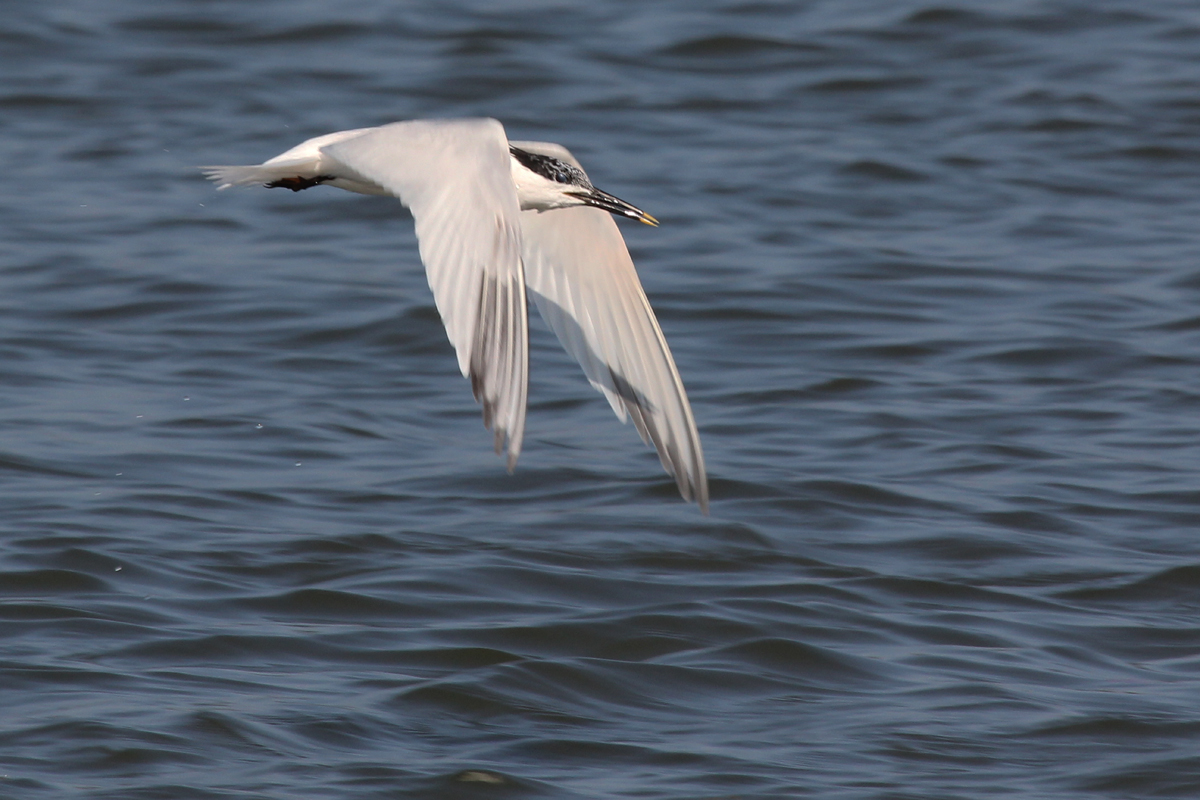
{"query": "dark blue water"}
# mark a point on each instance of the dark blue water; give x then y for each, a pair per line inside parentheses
(930, 271)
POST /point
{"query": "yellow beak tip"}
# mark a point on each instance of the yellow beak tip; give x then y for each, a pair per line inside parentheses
(649, 220)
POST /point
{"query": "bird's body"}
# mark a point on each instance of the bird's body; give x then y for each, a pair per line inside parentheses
(495, 218)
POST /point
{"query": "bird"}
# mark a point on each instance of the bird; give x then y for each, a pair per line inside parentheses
(498, 221)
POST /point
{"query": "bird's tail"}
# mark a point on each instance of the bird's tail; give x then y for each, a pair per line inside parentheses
(257, 174)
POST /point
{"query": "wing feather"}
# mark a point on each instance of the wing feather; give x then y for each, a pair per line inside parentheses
(454, 176)
(581, 277)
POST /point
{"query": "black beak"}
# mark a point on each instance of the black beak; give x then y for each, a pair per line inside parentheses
(605, 201)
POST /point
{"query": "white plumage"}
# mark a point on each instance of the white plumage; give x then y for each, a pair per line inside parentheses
(493, 220)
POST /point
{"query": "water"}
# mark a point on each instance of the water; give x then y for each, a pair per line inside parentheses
(931, 275)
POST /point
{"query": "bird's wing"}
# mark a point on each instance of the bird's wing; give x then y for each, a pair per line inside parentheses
(579, 273)
(454, 176)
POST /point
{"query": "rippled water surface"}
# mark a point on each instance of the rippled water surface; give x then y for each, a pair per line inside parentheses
(930, 271)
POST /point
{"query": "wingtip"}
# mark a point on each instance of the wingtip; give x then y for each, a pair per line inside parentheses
(698, 494)
(504, 441)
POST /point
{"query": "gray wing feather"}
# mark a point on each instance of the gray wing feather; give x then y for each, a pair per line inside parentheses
(454, 176)
(583, 281)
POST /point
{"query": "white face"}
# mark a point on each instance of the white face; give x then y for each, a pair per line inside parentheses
(540, 194)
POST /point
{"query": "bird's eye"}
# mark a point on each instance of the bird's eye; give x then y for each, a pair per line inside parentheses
(549, 167)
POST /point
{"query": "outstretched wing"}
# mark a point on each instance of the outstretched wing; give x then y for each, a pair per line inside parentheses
(455, 177)
(579, 273)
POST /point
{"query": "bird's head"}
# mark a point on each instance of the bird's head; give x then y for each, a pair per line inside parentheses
(544, 182)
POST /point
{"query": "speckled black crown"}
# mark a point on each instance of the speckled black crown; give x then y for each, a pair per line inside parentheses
(551, 168)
